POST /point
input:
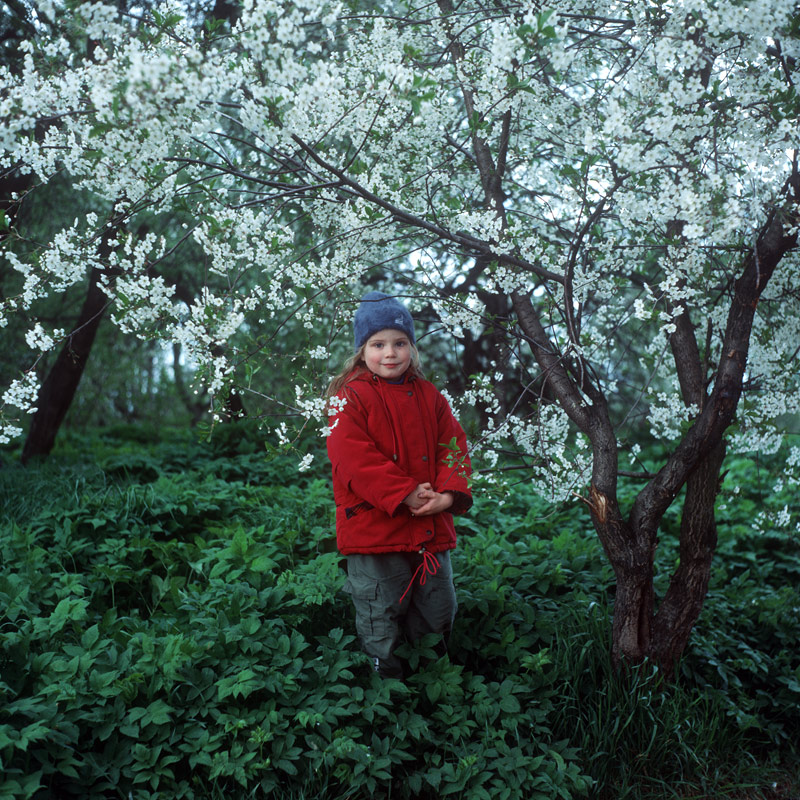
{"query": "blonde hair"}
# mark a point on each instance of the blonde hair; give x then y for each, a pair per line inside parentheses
(356, 366)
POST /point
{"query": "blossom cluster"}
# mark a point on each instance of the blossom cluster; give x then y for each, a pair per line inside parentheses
(21, 394)
(38, 339)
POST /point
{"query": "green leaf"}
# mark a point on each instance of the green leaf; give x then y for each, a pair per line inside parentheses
(32, 733)
(157, 713)
(240, 543)
(22, 789)
(99, 681)
(90, 637)
(434, 691)
(510, 704)
(241, 685)
(262, 564)
(336, 635)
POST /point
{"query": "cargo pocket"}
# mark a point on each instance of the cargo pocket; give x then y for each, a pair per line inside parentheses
(372, 617)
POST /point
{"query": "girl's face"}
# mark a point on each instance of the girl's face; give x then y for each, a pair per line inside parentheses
(388, 353)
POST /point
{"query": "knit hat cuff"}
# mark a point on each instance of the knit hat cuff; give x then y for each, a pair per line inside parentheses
(378, 312)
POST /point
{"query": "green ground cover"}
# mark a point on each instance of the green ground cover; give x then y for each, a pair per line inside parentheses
(172, 626)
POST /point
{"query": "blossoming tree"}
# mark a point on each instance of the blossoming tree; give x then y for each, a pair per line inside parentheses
(610, 187)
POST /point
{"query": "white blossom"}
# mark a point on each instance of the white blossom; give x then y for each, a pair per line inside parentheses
(38, 339)
(280, 164)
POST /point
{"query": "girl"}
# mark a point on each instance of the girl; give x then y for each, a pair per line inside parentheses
(400, 471)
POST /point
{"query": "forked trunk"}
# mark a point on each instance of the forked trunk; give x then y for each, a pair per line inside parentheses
(640, 632)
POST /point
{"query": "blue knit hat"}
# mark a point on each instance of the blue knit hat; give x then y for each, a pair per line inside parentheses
(377, 312)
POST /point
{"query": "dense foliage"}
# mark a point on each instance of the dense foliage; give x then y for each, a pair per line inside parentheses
(172, 625)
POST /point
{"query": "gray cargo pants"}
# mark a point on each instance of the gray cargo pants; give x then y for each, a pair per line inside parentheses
(376, 582)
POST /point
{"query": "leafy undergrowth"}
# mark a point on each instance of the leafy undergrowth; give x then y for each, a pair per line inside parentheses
(172, 626)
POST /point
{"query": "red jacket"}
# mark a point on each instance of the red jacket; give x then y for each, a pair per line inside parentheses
(387, 439)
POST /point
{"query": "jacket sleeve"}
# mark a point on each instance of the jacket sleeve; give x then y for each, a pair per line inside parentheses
(453, 467)
(360, 465)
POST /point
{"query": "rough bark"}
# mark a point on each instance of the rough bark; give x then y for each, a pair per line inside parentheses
(688, 585)
(681, 606)
(630, 543)
(633, 607)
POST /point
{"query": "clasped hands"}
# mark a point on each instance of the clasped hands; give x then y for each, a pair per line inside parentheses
(424, 501)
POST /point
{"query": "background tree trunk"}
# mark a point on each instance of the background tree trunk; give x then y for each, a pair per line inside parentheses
(58, 389)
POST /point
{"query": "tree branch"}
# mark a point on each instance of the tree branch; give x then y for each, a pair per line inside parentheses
(709, 427)
(471, 243)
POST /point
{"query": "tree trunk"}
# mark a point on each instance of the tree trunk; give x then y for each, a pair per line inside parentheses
(632, 559)
(630, 542)
(58, 389)
(638, 633)
(683, 601)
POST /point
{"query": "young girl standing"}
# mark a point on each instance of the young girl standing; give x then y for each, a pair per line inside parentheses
(397, 481)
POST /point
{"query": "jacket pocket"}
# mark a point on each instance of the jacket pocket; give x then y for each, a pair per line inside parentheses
(351, 511)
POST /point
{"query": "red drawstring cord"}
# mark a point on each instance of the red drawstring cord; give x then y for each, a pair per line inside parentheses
(429, 566)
